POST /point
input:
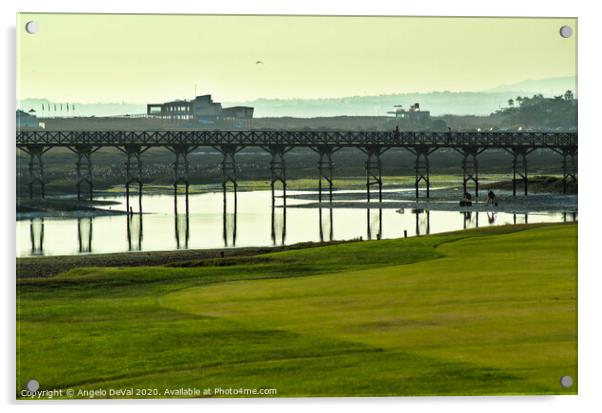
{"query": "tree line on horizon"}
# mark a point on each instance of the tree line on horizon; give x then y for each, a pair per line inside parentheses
(538, 111)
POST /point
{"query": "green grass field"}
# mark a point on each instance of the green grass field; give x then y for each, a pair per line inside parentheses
(489, 311)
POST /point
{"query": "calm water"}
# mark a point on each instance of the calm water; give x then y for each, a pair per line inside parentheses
(256, 223)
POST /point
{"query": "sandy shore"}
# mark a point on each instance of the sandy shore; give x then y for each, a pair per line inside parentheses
(447, 199)
(51, 265)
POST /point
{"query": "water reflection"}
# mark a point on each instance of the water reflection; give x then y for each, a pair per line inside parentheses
(138, 195)
(423, 221)
(278, 233)
(520, 218)
(326, 226)
(229, 229)
(252, 223)
(182, 230)
(569, 217)
(374, 223)
(36, 231)
(175, 203)
(134, 232)
(471, 219)
(84, 234)
(229, 219)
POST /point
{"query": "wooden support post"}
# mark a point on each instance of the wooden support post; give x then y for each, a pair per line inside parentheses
(181, 168)
(422, 167)
(519, 167)
(229, 176)
(229, 172)
(84, 168)
(278, 170)
(325, 169)
(374, 170)
(470, 167)
(133, 173)
(278, 174)
(569, 167)
(36, 168)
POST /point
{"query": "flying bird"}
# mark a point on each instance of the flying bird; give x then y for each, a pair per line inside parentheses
(259, 62)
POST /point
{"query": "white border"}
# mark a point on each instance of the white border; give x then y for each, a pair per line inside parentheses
(590, 95)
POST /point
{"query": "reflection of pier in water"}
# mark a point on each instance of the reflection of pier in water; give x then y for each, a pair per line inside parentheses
(229, 231)
(569, 217)
(525, 218)
(84, 234)
(36, 232)
(181, 220)
(134, 232)
(374, 221)
(468, 219)
(182, 226)
(182, 230)
(328, 224)
(278, 233)
(423, 221)
(229, 171)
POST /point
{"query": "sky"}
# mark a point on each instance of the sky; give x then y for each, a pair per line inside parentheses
(89, 58)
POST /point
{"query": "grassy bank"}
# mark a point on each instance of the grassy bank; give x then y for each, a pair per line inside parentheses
(488, 311)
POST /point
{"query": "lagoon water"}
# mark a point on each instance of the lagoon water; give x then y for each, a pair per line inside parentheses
(255, 224)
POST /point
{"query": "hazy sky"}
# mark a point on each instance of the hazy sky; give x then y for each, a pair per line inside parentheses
(148, 58)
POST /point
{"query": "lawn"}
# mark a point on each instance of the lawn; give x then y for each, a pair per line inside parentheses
(488, 311)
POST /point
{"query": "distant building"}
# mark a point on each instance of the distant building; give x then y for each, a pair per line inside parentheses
(27, 120)
(202, 109)
(238, 116)
(413, 113)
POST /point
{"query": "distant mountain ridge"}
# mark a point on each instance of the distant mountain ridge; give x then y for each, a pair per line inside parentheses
(550, 86)
(438, 103)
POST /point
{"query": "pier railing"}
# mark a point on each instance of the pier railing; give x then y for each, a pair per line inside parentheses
(298, 138)
(278, 142)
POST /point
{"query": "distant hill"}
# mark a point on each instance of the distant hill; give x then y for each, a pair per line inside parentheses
(552, 86)
(439, 103)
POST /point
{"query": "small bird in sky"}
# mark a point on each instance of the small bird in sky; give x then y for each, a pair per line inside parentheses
(259, 62)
